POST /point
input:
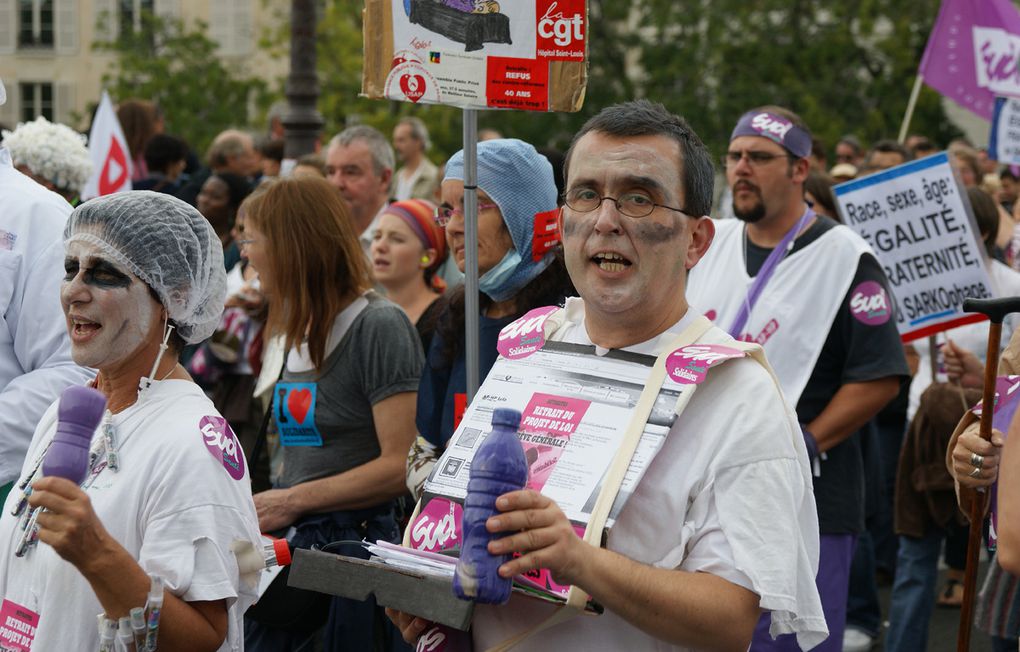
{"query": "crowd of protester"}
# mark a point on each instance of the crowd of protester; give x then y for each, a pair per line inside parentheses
(343, 272)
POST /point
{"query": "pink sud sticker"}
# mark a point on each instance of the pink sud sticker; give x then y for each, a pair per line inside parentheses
(869, 304)
(223, 444)
(17, 627)
(524, 336)
(689, 365)
(437, 526)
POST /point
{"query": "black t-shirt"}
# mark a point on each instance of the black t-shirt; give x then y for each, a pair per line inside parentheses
(853, 352)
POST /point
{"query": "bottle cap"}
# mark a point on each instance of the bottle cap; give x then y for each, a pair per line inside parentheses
(282, 550)
(506, 417)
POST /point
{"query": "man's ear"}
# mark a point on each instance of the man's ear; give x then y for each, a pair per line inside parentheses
(799, 170)
(702, 234)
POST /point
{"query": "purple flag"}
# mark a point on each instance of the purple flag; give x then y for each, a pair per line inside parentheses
(971, 56)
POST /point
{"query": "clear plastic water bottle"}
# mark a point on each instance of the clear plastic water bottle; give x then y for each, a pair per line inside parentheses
(78, 415)
(498, 467)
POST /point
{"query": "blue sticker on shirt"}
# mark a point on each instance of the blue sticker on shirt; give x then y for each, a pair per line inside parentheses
(294, 411)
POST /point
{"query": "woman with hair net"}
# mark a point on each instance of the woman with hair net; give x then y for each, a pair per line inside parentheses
(167, 493)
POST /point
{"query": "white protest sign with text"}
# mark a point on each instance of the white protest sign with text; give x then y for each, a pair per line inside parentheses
(1004, 141)
(477, 53)
(917, 220)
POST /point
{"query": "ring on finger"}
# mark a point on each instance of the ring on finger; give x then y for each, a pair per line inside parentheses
(977, 461)
(975, 472)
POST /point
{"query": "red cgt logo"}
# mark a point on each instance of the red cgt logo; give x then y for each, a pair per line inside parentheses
(561, 24)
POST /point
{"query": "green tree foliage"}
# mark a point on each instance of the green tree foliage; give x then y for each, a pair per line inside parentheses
(340, 62)
(177, 67)
(847, 66)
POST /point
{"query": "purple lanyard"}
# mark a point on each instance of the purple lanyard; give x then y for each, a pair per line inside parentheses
(765, 273)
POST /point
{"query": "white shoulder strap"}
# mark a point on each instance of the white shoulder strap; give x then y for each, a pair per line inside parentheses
(577, 598)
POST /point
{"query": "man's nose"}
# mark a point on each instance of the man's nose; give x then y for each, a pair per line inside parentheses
(607, 216)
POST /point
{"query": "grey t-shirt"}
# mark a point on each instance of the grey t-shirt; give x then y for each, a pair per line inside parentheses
(380, 355)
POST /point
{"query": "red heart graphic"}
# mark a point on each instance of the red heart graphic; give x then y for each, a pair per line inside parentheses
(413, 86)
(299, 402)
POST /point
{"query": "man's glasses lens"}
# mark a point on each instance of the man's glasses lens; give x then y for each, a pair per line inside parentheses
(631, 205)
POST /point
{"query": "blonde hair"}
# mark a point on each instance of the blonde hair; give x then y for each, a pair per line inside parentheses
(316, 262)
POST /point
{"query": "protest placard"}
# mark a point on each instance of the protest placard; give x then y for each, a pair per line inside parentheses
(575, 407)
(477, 53)
(1004, 142)
(917, 220)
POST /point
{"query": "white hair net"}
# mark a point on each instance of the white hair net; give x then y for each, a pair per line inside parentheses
(166, 243)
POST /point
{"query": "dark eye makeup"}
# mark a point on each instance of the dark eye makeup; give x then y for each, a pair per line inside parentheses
(101, 274)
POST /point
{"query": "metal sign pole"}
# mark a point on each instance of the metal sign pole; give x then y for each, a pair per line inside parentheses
(471, 309)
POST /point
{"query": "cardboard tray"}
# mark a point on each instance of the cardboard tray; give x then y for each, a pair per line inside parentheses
(423, 595)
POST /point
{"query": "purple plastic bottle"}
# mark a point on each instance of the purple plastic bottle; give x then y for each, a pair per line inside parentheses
(78, 415)
(499, 466)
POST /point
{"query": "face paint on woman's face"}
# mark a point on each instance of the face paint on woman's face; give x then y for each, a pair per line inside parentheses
(110, 312)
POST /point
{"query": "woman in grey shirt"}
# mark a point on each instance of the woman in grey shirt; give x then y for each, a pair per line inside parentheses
(344, 406)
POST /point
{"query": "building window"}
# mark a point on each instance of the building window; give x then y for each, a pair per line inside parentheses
(131, 14)
(36, 100)
(35, 23)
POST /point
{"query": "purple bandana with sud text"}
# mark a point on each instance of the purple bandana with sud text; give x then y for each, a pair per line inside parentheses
(777, 129)
(971, 53)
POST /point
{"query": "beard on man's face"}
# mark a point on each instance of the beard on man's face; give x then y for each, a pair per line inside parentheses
(754, 212)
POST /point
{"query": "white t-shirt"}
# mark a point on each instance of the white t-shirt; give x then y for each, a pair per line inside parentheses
(729, 494)
(174, 505)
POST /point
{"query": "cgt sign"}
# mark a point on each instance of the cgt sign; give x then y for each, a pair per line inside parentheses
(561, 29)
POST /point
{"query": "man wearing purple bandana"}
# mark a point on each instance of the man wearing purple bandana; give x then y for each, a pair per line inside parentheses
(811, 292)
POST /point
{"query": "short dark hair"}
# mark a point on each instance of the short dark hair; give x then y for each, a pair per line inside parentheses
(889, 147)
(644, 118)
(852, 141)
(820, 185)
(1009, 172)
(818, 149)
(237, 187)
(986, 214)
(272, 149)
(162, 150)
(923, 144)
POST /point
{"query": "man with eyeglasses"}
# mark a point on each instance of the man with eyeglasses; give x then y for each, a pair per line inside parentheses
(811, 292)
(722, 524)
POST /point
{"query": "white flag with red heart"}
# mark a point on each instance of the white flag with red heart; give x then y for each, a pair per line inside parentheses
(111, 159)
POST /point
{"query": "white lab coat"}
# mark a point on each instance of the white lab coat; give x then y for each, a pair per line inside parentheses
(35, 352)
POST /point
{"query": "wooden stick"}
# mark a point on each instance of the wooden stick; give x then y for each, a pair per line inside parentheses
(976, 507)
(910, 109)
